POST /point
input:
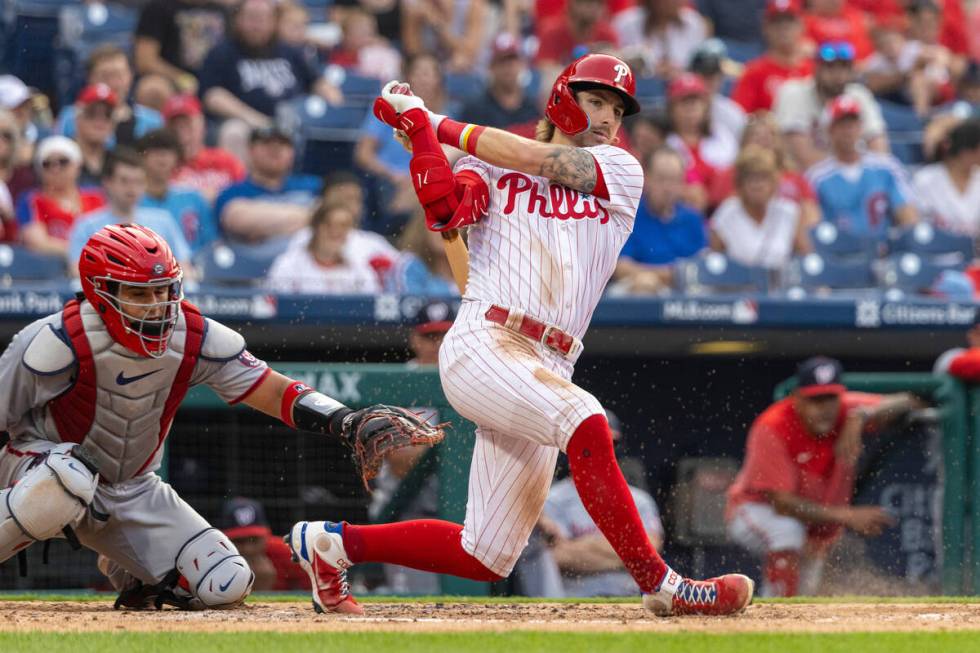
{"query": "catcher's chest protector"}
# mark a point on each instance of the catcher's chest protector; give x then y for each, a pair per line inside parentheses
(120, 404)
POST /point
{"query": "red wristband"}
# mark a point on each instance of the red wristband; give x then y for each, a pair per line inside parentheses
(460, 134)
(289, 396)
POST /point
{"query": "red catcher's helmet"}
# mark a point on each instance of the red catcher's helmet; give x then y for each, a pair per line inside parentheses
(590, 71)
(134, 256)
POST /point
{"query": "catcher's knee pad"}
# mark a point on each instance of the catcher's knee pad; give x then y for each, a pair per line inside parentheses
(49, 497)
(216, 573)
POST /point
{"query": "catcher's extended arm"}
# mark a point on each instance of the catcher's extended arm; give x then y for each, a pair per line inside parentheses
(370, 432)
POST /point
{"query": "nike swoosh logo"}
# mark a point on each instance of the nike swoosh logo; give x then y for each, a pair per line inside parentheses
(222, 588)
(126, 380)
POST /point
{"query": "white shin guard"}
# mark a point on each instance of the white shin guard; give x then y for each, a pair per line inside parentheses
(217, 574)
(53, 495)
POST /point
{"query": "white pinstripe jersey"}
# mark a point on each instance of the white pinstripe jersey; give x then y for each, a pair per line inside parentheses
(547, 249)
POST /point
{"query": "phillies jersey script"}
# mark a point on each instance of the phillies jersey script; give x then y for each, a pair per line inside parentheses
(548, 249)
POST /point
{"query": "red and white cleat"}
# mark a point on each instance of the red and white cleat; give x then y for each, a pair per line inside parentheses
(318, 547)
(725, 595)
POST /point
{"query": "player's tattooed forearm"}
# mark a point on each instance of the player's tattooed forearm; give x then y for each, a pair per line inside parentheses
(570, 166)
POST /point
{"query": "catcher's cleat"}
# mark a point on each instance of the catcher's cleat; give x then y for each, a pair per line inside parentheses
(318, 548)
(725, 595)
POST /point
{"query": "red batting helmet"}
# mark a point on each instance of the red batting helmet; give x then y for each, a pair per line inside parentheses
(134, 256)
(590, 71)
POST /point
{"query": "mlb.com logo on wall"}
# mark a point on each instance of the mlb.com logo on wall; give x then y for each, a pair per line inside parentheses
(741, 311)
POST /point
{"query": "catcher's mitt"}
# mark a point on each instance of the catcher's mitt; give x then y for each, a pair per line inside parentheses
(375, 431)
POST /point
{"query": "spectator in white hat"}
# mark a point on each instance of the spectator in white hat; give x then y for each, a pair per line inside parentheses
(45, 216)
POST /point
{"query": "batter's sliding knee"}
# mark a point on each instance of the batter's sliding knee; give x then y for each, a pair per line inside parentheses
(216, 573)
(49, 497)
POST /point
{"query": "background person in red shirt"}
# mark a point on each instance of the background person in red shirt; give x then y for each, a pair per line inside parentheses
(46, 215)
(833, 20)
(785, 59)
(208, 170)
(792, 498)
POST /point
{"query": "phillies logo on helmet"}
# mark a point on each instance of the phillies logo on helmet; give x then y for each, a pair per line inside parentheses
(158, 268)
(622, 72)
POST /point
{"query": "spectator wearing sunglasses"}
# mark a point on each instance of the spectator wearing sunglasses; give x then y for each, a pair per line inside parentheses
(46, 216)
(800, 103)
(95, 128)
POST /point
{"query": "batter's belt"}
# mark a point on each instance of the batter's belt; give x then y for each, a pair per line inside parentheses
(550, 336)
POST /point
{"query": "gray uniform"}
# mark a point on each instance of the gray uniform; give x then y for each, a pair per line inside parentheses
(135, 519)
(565, 508)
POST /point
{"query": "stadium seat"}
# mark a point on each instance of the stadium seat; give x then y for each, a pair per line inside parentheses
(928, 241)
(359, 89)
(327, 134)
(33, 31)
(743, 51)
(463, 87)
(831, 242)
(228, 264)
(905, 129)
(20, 264)
(911, 273)
(715, 272)
(814, 272)
(97, 24)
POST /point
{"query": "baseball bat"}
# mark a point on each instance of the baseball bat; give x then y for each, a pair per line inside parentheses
(459, 257)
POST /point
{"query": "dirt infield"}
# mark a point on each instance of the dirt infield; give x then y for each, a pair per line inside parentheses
(21, 616)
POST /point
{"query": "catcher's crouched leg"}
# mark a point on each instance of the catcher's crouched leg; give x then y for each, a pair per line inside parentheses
(50, 497)
(216, 574)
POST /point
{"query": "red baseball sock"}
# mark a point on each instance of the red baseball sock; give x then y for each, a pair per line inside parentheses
(424, 544)
(608, 500)
(783, 572)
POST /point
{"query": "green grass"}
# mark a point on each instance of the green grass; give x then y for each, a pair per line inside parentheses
(85, 596)
(521, 642)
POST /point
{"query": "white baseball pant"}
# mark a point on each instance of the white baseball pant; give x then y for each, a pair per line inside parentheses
(519, 394)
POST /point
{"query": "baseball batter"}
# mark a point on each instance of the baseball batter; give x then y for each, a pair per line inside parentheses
(547, 219)
(91, 395)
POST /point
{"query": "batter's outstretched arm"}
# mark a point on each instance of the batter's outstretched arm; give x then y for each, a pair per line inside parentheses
(563, 164)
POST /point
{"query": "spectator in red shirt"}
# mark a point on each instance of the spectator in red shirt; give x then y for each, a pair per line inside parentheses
(792, 498)
(833, 20)
(46, 216)
(208, 170)
(244, 522)
(583, 24)
(785, 58)
(954, 35)
(705, 149)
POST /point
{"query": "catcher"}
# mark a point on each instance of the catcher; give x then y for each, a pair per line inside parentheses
(92, 393)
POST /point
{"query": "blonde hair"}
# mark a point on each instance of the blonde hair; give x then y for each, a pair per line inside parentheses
(755, 160)
(415, 240)
(766, 120)
(544, 131)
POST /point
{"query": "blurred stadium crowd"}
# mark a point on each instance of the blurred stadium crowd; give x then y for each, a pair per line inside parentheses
(812, 147)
